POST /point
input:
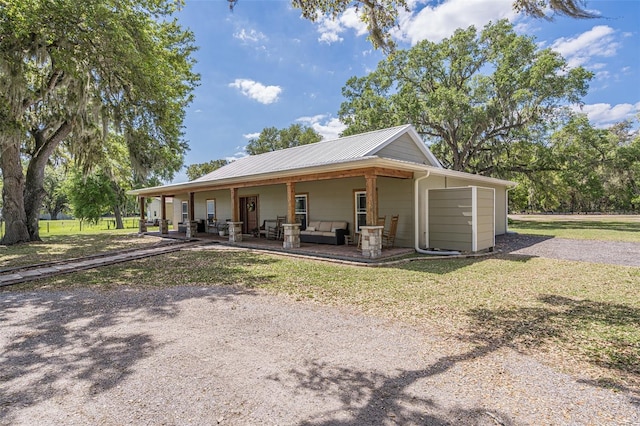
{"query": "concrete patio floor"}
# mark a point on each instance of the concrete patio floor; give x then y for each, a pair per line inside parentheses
(325, 251)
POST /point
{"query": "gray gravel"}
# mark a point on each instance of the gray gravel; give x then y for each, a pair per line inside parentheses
(607, 252)
(206, 356)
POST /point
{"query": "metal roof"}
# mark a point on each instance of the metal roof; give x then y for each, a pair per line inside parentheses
(317, 154)
(337, 154)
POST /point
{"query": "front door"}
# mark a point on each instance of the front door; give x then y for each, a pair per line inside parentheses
(249, 213)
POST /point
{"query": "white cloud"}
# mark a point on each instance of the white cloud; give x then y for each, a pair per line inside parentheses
(598, 42)
(435, 23)
(602, 115)
(330, 28)
(236, 156)
(422, 22)
(249, 36)
(250, 136)
(329, 129)
(257, 91)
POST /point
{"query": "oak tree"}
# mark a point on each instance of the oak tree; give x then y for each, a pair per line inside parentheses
(381, 16)
(475, 96)
(194, 171)
(272, 139)
(75, 70)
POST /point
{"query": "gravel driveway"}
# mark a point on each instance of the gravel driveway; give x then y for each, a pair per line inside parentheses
(220, 355)
(608, 252)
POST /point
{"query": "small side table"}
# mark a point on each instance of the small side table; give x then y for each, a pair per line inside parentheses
(348, 240)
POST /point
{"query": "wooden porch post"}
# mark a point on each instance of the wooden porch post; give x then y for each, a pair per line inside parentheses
(235, 226)
(142, 223)
(235, 202)
(291, 202)
(291, 238)
(192, 206)
(142, 212)
(372, 199)
(164, 223)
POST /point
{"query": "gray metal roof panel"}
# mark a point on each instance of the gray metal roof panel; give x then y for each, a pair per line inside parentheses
(317, 154)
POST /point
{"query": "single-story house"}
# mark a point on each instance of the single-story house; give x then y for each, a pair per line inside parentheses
(348, 182)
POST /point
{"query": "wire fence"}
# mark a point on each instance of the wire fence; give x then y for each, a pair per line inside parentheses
(71, 226)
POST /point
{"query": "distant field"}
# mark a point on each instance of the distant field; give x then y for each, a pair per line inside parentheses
(588, 227)
(74, 226)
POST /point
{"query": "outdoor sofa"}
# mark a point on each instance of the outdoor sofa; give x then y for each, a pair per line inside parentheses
(325, 232)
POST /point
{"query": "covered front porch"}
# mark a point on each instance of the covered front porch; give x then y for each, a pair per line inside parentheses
(347, 252)
(242, 208)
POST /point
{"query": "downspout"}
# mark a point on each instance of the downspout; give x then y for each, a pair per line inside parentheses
(416, 222)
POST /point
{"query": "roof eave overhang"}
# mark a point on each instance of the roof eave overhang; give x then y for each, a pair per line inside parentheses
(360, 163)
(470, 176)
(194, 186)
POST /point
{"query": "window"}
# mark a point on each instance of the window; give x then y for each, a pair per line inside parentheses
(301, 210)
(211, 210)
(185, 212)
(361, 209)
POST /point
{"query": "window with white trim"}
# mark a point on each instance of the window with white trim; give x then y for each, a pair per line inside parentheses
(211, 210)
(360, 209)
(301, 210)
(185, 212)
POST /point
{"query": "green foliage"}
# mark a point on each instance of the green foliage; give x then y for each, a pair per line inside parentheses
(381, 16)
(592, 170)
(272, 139)
(194, 171)
(91, 196)
(74, 71)
(55, 198)
(475, 97)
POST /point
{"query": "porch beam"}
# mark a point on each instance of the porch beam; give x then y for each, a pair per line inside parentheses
(372, 199)
(375, 171)
(291, 202)
(235, 204)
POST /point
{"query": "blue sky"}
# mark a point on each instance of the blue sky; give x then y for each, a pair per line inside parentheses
(262, 65)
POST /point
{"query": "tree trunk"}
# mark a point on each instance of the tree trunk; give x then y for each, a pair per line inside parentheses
(34, 194)
(117, 212)
(34, 189)
(13, 195)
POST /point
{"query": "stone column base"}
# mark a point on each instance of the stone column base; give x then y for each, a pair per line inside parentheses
(164, 226)
(142, 226)
(371, 241)
(291, 235)
(235, 232)
(192, 229)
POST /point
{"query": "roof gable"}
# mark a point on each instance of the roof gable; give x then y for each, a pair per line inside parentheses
(379, 143)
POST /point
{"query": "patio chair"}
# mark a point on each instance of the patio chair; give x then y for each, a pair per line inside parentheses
(276, 232)
(389, 237)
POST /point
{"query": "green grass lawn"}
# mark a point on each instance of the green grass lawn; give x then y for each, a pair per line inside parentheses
(62, 239)
(588, 227)
(583, 318)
